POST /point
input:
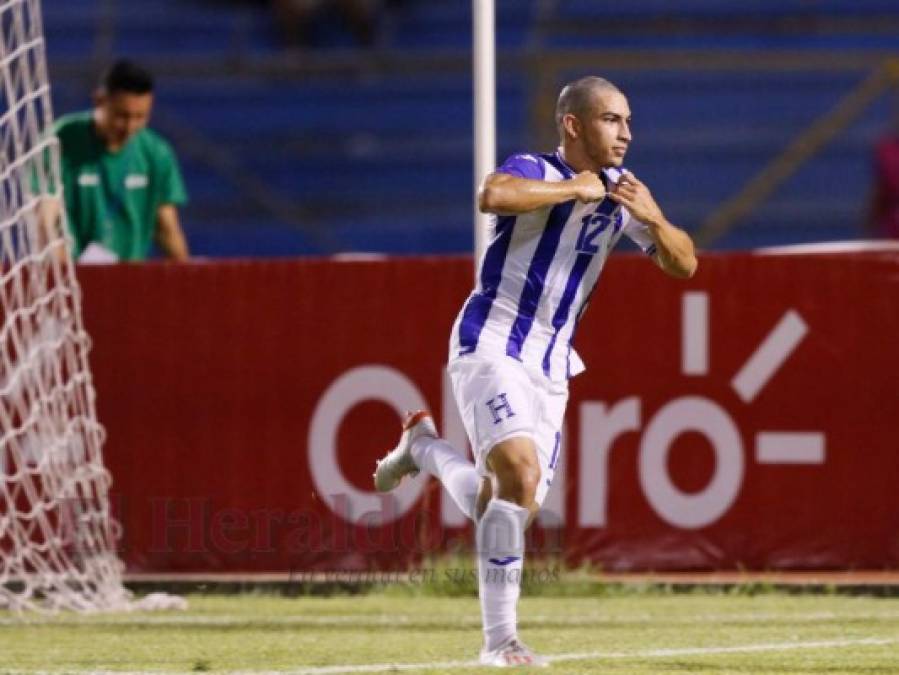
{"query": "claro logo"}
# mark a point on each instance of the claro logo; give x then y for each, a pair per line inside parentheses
(601, 424)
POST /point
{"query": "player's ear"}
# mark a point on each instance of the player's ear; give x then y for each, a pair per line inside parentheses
(99, 97)
(572, 126)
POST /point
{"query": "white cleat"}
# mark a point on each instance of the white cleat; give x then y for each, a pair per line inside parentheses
(398, 463)
(513, 654)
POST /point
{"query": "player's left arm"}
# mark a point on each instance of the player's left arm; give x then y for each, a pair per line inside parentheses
(169, 234)
(675, 252)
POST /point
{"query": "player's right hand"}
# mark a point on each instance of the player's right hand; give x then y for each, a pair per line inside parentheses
(588, 187)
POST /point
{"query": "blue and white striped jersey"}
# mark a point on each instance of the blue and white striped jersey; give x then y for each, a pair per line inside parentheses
(537, 274)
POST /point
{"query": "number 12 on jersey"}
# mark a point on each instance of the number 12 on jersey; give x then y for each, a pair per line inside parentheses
(593, 225)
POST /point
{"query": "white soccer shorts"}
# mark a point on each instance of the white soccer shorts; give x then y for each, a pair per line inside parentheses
(499, 399)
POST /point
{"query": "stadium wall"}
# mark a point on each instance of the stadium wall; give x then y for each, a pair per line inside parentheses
(745, 419)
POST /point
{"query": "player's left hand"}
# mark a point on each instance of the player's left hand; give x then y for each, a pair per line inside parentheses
(633, 194)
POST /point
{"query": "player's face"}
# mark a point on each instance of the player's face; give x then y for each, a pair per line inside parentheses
(122, 115)
(607, 131)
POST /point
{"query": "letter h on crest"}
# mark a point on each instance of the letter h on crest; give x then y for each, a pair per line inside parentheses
(500, 408)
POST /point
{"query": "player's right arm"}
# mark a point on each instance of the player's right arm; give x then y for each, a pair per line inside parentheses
(505, 195)
(169, 234)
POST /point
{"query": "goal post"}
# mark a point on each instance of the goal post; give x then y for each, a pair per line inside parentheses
(484, 79)
(57, 534)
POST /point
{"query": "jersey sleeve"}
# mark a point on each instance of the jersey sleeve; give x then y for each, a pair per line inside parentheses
(170, 185)
(524, 166)
(638, 233)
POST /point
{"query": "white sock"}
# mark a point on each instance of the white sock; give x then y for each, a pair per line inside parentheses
(457, 474)
(500, 541)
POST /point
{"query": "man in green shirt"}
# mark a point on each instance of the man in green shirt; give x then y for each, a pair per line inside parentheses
(121, 180)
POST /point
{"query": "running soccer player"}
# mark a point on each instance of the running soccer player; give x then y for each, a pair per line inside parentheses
(557, 217)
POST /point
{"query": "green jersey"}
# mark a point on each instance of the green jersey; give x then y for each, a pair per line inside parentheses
(112, 197)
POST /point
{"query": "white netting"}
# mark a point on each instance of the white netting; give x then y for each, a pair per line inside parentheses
(57, 537)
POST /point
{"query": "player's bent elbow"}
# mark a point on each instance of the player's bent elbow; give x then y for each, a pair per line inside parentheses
(678, 268)
(497, 196)
(694, 264)
(688, 268)
(488, 199)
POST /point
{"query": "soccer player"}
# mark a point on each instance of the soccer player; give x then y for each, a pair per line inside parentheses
(557, 217)
(121, 181)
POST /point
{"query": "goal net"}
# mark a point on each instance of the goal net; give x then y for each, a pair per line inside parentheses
(57, 536)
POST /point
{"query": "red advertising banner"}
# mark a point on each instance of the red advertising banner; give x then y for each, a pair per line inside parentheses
(746, 418)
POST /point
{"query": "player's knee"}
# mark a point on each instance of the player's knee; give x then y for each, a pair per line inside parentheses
(521, 486)
(517, 471)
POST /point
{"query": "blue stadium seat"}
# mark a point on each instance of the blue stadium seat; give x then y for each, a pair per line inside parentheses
(383, 162)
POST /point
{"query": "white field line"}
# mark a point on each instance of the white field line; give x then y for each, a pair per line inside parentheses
(554, 658)
(233, 620)
(735, 649)
(597, 656)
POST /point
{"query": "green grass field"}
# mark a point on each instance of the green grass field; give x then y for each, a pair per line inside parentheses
(623, 633)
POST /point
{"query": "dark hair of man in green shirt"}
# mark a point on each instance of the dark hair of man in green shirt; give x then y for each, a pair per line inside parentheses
(121, 180)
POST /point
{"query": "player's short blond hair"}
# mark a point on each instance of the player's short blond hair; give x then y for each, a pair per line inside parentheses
(576, 98)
